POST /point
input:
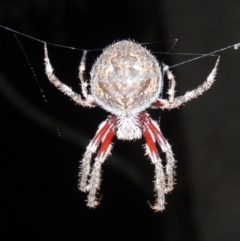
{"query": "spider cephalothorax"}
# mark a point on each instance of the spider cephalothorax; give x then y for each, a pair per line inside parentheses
(126, 80)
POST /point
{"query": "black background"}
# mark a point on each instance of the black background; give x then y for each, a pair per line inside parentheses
(39, 199)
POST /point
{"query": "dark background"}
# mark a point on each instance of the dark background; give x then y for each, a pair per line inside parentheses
(39, 199)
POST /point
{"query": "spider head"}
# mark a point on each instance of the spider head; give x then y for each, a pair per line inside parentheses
(126, 78)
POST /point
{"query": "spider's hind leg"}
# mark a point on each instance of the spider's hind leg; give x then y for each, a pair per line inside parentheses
(172, 83)
(88, 101)
(81, 75)
(175, 102)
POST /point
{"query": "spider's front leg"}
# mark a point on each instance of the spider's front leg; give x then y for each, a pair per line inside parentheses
(91, 149)
(104, 134)
(159, 183)
(89, 101)
(166, 148)
(163, 182)
(176, 102)
(95, 178)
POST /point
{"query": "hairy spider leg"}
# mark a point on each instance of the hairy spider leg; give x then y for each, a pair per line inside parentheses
(91, 149)
(172, 102)
(104, 151)
(166, 148)
(89, 101)
(81, 75)
(104, 134)
(172, 83)
(152, 152)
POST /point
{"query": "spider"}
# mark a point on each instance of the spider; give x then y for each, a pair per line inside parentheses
(127, 79)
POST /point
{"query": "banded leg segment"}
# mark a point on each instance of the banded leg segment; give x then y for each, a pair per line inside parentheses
(91, 149)
(89, 101)
(164, 179)
(173, 102)
(159, 182)
(105, 133)
(172, 83)
(81, 75)
(166, 148)
(95, 179)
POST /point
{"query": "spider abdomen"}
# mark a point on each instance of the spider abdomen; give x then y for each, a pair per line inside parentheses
(126, 78)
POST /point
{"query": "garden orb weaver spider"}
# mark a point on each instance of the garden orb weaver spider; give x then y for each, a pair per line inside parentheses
(125, 80)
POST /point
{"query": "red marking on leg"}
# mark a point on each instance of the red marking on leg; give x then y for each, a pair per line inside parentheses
(158, 104)
(150, 143)
(147, 133)
(157, 133)
(149, 124)
(103, 130)
(99, 136)
(106, 142)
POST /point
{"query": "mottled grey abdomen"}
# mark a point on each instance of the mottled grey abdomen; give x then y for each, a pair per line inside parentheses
(126, 78)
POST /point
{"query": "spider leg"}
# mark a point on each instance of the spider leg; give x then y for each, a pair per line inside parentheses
(104, 151)
(172, 83)
(89, 101)
(176, 102)
(166, 148)
(81, 75)
(91, 149)
(159, 183)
